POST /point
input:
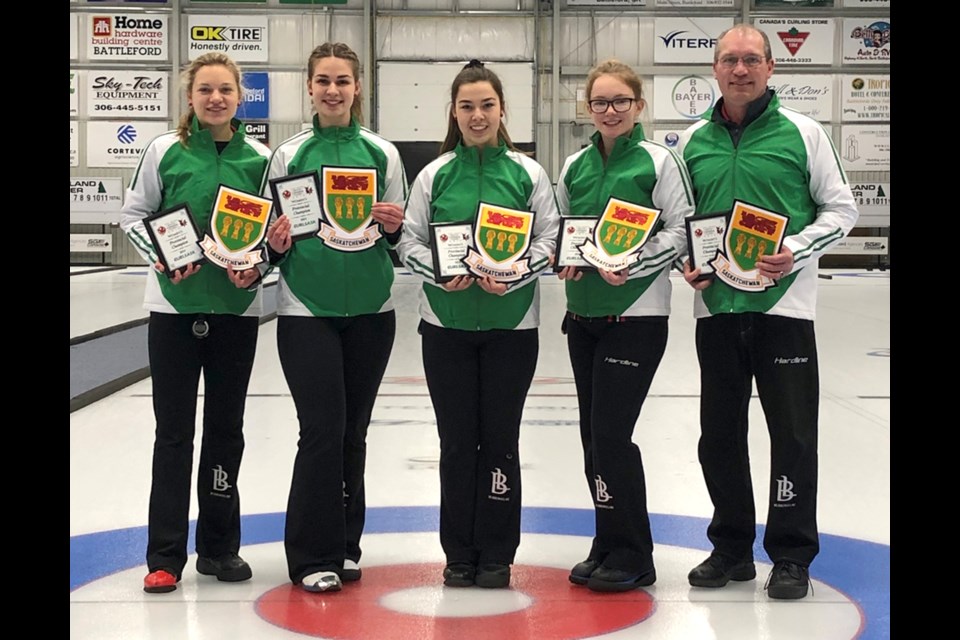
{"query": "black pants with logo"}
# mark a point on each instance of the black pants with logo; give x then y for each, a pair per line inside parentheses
(333, 367)
(177, 358)
(613, 367)
(478, 382)
(781, 354)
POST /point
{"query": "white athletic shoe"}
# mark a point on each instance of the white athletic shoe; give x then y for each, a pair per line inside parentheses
(322, 581)
(351, 571)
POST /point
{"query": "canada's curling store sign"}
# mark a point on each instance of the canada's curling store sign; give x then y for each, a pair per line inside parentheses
(243, 38)
(119, 37)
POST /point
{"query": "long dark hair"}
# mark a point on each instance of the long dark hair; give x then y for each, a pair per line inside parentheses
(473, 71)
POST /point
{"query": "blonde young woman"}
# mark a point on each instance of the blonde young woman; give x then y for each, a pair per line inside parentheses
(203, 320)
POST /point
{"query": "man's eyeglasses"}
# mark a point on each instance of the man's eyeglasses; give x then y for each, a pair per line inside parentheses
(619, 105)
(750, 61)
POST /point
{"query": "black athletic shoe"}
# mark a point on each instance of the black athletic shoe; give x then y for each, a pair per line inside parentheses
(610, 580)
(459, 574)
(228, 568)
(788, 581)
(582, 571)
(717, 571)
(493, 576)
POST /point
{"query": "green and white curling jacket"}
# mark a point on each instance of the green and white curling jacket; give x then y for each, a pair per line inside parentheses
(644, 173)
(316, 280)
(450, 189)
(170, 174)
(785, 162)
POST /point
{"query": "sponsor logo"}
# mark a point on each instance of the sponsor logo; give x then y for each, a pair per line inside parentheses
(793, 39)
(226, 34)
(126, 134)
(602, 494)
(673, 40)
(220, 479)
(784, 491)
(498, 482)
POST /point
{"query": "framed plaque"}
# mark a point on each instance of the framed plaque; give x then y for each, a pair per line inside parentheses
(298, 198)
(705, 233)
(574, 232)
(449, 242)
(175, 237)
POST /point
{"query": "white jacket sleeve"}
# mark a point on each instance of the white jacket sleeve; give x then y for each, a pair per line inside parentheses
(673, 195)
(836, 207)
(143, 198)
(414, 246)
(546, 223)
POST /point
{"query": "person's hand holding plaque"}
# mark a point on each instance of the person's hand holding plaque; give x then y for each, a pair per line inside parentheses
(178, 275)
(457, 283)
(388, 214)
(243, 279)
(488, 284)
(694, 277)
(279, 235)
(570, 273)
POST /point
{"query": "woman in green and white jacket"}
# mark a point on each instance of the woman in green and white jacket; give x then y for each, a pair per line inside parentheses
(202, 319)
(480, 339)
(335, 327)
(616, 322)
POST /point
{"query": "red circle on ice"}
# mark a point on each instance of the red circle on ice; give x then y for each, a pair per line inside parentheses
(558, 611)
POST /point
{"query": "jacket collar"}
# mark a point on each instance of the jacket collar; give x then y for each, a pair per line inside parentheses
(480, 155)
(622, 143)
(768, 102)
(335, 134)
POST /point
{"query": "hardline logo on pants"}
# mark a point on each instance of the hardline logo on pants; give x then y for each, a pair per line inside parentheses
(785, 491)
(498, 482)
(602, 494)
(220, 479)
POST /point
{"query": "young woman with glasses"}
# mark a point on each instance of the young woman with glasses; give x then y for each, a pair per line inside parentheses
(616, 322)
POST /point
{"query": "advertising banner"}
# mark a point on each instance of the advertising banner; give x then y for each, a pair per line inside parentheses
(799, 40)
(113, 93)
(687, 40)
(119, 143)
(864, 97)
(811, 95)
(256, 96)
(74, 145)
(139, 36)
(866, 41)
(96, 194)
(683, 97)
(865, 147)
(242, 37)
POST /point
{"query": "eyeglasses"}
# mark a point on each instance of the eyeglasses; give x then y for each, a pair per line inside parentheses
(749, 61)
(619, 105)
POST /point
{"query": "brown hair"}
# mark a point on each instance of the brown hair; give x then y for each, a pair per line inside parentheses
(473, 71)
(620, 71)
(344, 52)
(190, 74)
(744, 28)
